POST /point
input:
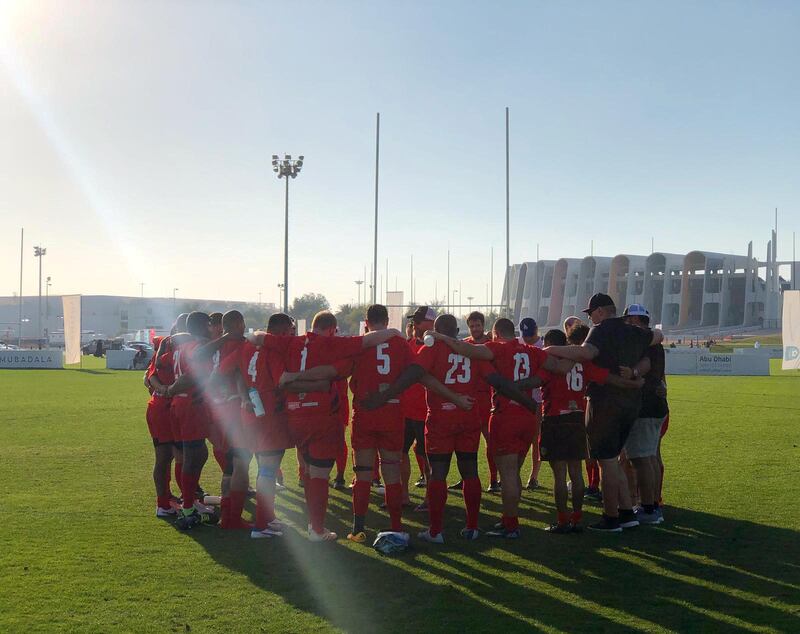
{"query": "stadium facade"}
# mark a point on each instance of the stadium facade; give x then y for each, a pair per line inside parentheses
(692, 291)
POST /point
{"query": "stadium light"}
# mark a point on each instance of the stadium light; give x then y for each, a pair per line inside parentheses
(286, 168)
(39, 252)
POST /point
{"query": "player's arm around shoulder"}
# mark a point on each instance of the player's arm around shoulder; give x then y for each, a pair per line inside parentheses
(477, 351)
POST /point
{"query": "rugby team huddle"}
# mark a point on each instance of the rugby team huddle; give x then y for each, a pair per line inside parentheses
(579, 395)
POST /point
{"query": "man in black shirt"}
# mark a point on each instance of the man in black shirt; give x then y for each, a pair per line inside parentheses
(641, 448)
(611, 411)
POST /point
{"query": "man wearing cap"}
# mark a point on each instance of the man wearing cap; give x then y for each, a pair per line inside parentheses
(529, 334)
(641, 447)
(415, 408)
(611, 411)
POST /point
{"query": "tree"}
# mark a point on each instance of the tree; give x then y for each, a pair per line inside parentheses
(349, 318)
(307, 306)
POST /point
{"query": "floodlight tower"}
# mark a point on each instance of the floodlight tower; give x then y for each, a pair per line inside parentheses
(286, 168)
(40, 252)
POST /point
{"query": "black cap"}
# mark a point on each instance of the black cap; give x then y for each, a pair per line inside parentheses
(422, 313)
(598, 300)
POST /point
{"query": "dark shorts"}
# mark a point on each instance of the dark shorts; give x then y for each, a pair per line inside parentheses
(563, 437)
(609, 419)
(415, 431)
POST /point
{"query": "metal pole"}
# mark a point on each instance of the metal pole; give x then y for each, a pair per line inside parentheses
(39, 331)
(508, 229)
(794, 262)
(447, 301)
(286, 253)
(411, 297)
(375, 245)
(142, 285)
(21, 248)
(491, 282)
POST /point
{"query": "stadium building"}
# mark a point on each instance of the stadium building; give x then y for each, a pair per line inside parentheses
(699, 290)
(103, 315)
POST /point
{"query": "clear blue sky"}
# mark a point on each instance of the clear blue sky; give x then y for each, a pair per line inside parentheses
(136, 138)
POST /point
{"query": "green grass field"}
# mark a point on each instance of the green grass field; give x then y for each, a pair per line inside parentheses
(81, 550)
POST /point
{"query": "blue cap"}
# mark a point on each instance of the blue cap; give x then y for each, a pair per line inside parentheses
(528, 327)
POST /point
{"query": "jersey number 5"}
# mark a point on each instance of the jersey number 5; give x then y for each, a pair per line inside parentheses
(384, 362)
(459, 369)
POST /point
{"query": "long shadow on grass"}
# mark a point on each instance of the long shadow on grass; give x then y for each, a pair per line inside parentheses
(698, 572)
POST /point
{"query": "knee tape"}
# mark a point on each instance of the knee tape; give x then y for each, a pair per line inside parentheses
(467, 455)
(359, 468)
(322, 463)
(439, 457)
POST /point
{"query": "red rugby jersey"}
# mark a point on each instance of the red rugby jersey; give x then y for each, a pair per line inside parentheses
(261, 369)
(227, 387)
(309, 351)
(412, 401)
(458, 373)
(563, 394)
(515, 361)
(375, 369)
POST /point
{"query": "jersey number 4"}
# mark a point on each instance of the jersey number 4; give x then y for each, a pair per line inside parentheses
(459, 371)
(251, 367)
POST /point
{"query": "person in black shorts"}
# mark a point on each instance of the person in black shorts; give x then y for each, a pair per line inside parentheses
(611, 411)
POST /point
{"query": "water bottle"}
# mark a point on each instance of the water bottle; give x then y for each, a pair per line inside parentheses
(255, 399)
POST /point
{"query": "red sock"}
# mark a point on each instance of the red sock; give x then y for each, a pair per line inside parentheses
(317, 502)
(236, 501)
(265, 510)
(341, 462)
(178, 473)
(219, 456)
(437, 498)
(224, 511)
(593, 474)
(163, 501)
(576, 517)
(422, 462)
(563, 518)
(394, 504)
(472, 500)
(361, 497)
(510, 523)
(189, 482)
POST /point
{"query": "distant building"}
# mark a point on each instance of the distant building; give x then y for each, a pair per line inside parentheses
(700, 289)
(107, 315)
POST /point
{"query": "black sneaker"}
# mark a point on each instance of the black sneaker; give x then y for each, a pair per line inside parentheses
(559, 529)
(457, 486)
(594, 495)
(504, 533)
(338, 484)
(532, 485)
(627, 519)
(251, 493)
(421, 483)
(188, 522)
(606, 525)
(200, 494)
(494, 487)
